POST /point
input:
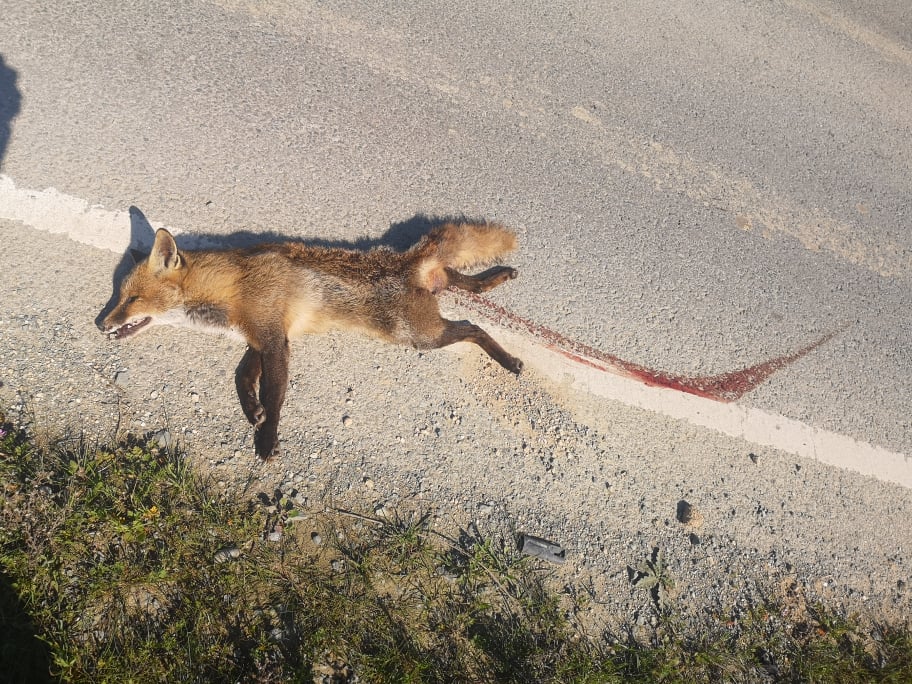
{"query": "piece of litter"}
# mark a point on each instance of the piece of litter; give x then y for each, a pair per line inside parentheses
(541, 548)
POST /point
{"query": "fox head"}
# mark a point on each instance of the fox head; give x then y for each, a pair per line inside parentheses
(150, 292)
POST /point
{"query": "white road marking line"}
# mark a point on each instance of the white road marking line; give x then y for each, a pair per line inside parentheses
(55, 212)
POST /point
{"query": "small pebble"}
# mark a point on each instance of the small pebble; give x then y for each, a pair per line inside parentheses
(163, 438)
(689, 516)
(226, 554)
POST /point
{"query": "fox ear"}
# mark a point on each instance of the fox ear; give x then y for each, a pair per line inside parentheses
(164, 256)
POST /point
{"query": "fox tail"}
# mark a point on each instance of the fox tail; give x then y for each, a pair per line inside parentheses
(459, 245)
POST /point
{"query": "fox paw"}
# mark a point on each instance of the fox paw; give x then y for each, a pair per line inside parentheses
(266, 443)
(496, 277)
(514, 365)
(253, 410)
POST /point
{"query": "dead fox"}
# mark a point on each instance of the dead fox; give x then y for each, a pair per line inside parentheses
(271, 293)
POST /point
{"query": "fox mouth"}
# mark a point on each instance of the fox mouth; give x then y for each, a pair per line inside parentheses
(128, 329)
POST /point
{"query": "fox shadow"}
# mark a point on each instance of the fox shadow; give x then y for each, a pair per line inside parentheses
(398, 237)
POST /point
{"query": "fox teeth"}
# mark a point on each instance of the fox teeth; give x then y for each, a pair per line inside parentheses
(127, 328)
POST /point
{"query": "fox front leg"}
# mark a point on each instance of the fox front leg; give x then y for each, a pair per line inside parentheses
(246, 378)
(273, 383)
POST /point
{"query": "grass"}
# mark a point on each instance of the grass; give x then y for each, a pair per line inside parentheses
(118, 564)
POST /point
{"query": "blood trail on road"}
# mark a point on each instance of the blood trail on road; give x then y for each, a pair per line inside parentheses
(725, 387)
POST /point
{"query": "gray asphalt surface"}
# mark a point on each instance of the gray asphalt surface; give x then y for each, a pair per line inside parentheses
(697, 187)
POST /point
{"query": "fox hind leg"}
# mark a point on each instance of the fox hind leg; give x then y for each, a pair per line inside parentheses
(425, 328)
(481, 282)
(463, 331)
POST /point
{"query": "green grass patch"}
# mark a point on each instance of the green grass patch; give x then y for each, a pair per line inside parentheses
(119, 564)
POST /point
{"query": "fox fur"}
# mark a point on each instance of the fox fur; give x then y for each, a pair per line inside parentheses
(275, 292)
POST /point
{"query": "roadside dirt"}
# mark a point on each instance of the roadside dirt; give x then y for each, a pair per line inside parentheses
(379, 429)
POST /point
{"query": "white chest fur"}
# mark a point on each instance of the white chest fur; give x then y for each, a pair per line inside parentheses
(205, 318)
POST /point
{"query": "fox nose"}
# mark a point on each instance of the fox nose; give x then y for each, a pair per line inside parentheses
(101, 318)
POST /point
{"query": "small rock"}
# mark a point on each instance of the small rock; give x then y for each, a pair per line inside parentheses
(121, 378)
(274, 536)
(331, 670)
(447, 574)
(346, 420)
(194, 397)
(316, 538)
(689, 516)
(227, 554)
(163, 438)
(369, 483)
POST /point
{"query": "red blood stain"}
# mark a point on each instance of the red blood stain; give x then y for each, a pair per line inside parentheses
(725, 387)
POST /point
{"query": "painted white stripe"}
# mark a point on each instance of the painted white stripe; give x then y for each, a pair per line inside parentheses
(54, 212)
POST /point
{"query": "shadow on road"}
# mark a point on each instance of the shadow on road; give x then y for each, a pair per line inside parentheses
(10, 102)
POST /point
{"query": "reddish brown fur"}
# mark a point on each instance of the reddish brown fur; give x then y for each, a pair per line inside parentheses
(271, 293)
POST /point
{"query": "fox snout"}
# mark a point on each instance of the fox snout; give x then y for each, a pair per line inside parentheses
(116, 327)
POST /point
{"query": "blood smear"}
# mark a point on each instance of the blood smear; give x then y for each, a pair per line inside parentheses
(726, 387)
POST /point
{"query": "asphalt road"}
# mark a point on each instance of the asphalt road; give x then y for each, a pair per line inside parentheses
(698, 187)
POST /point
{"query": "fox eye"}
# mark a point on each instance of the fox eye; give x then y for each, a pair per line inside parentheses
(132, 299)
